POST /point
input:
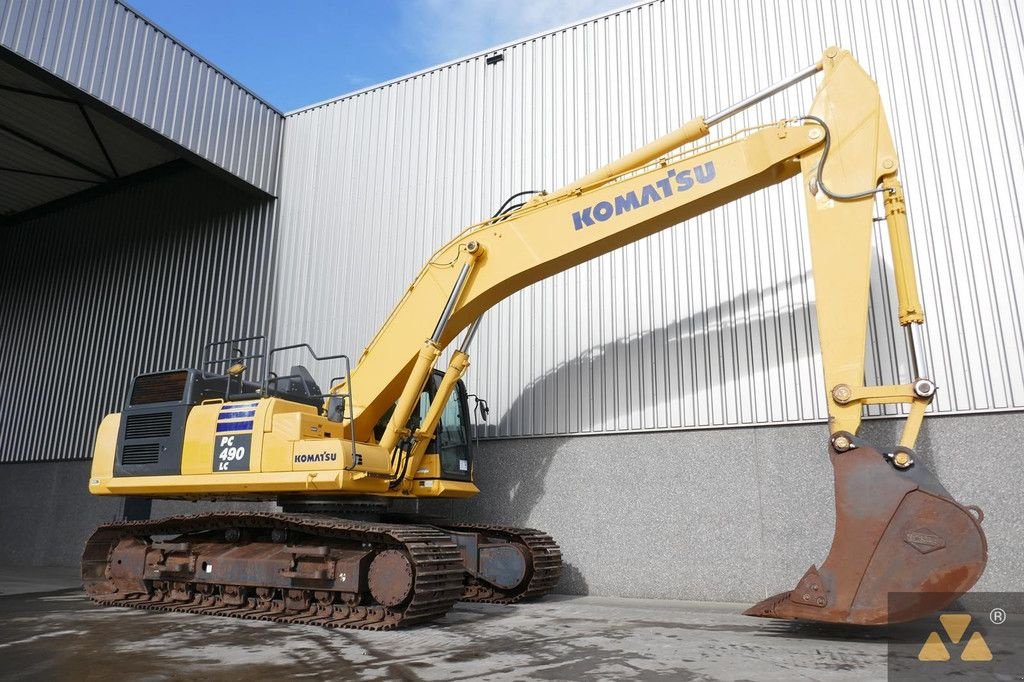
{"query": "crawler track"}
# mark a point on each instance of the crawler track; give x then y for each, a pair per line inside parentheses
(544, 565)
(419, 576)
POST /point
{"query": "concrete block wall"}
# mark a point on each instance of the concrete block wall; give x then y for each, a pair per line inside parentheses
(727, 515)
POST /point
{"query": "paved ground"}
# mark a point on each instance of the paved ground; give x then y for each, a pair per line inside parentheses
(48, 630)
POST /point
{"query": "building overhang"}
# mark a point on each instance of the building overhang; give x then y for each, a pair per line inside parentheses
(55, 143)
(92, 95)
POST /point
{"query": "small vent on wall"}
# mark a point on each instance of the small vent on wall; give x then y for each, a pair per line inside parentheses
(494, 59)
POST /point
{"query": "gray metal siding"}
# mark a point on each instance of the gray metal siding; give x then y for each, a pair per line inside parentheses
(107, 50)
(710, 324)
(134, 281)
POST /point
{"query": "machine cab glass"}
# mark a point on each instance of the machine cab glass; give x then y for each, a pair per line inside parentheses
(452, 440)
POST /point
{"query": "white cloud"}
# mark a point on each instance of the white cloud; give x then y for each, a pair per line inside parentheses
(444, 30)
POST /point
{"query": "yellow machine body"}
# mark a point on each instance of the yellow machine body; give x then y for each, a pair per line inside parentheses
(293, 450)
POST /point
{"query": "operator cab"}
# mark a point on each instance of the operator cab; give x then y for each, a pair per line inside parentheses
(452, 440)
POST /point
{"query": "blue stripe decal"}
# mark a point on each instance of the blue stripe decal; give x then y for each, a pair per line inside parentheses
(234, 426)
(236, 414)
(235, 419)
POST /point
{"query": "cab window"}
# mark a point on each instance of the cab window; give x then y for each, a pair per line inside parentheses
(452, 437)
(453, 434)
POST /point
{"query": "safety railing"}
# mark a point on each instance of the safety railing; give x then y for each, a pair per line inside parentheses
(237, 353)
(346, 397)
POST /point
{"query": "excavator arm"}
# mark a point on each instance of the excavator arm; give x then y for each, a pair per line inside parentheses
(660, 186)
(902, 546)
(493, 260)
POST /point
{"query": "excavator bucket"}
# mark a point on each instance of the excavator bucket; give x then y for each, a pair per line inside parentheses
(903, 548)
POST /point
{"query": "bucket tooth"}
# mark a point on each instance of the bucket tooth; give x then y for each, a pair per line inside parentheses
(903, 548)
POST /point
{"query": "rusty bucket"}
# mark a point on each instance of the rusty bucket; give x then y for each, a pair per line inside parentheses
(903, 547)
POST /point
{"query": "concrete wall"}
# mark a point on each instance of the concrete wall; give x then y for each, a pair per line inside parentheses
(722, 515)
(728, 515)
(48, 513)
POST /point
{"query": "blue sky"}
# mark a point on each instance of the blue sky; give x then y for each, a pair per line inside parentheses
(297, 52)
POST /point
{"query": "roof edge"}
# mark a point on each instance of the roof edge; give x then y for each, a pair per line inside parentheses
(185, 46)
(475, 55)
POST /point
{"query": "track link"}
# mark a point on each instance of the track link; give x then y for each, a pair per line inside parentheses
(544, 566)
(436, 580)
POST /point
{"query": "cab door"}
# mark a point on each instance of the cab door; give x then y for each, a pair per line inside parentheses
(453, 438)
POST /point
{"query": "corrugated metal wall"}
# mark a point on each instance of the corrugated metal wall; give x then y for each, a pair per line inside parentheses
(133, 281)
(709, 324)
(107, 50)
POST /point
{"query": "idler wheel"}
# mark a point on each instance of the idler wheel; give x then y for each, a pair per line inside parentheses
(390, 577)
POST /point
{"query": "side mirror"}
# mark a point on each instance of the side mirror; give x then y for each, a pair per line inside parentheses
(480, 407)
(336, 408)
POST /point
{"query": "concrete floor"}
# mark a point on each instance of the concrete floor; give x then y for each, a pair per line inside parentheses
(50, 631)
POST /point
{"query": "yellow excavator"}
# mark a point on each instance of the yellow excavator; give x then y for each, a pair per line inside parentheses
(394, 428)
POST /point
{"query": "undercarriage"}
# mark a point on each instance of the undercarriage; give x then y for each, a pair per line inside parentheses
(314, 569)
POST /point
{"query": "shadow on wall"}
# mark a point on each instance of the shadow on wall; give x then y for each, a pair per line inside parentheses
(572, 581)
(625, 486)
(623, 505)
(697, 342)
(524, 490)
